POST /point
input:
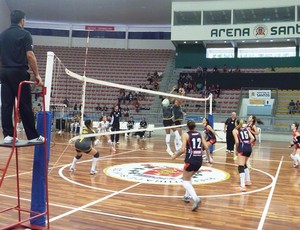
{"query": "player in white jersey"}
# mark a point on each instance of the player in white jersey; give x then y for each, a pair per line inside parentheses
(104, 127)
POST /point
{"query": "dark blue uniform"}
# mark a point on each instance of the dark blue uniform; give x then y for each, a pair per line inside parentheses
(244, 147)
(193, 157)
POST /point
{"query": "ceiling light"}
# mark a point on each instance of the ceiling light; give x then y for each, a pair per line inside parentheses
(243, 41)
(184, 42)
(257, 40)
(196, 42)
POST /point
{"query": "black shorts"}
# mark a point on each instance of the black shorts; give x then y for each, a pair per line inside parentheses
(192, 167)
(168, 123)
(83, 146)
(245, 150)
(178, 122)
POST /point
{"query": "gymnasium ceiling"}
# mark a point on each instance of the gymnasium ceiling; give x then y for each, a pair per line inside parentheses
(109, 12)
(120, 12)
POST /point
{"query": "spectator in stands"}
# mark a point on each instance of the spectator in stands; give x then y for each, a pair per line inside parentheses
(237, 69)
(126, 113)
(75, 107)
(218, 90)
(150, 78)
(129, 97)
(130, 125)
(137, 105)
(143, 125)
(225, 69)
(66, 102)
(199, 71)
(297, 106)
(215, 69)
(98, 108)
(292, 107)
(155, 85)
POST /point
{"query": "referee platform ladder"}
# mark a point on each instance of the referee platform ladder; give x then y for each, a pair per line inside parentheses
(27, 217)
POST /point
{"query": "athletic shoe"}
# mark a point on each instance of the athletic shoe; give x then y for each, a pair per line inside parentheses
(242, 189)
(248, 183)
(37, 140)
(169, 151)
(227, 151)
(9, 139)
(211, 160)
(231, 151)
(186, 199)
(295, 166)
(196, 204)
(113, 149)
(118, 143)
(235, 157)
(93, 172)
(249, 165)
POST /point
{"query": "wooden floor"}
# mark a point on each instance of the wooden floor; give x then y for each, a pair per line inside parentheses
(81, 201)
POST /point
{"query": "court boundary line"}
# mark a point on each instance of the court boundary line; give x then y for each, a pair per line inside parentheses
(268, 202)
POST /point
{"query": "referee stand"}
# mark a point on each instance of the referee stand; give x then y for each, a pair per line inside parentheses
(38, 214)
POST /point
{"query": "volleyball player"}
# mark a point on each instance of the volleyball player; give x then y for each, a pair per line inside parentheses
(178, 118)
(243, 146)
(210, 136)
(104, 127)
(252, 120)
(193, 145)
(167, 122)
(296, 140)
(86, 145)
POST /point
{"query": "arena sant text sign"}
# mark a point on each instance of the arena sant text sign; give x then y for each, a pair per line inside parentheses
(259, 31)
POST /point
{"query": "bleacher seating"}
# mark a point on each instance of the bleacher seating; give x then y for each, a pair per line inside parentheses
(121, 66)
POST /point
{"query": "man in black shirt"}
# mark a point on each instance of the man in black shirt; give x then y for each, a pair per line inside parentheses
(143, 125)
(228, 128)
(16, 53)
(115, 123)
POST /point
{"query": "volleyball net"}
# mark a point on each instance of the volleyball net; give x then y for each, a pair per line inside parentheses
(66, 88)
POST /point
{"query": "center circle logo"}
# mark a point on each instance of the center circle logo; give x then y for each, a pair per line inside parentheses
(163, 173)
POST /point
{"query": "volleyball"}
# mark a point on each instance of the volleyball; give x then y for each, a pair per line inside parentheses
(165, 102)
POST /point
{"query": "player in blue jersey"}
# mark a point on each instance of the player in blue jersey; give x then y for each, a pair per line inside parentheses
(243, 146)
(193, 145)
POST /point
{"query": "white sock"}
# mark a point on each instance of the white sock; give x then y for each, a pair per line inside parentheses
(242, 179)
(190, 189)
(94, 163)
(74, 162)
(247, 174)
(294, 158)
(168, 138)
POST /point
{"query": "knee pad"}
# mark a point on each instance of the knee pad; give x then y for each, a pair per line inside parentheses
(97, 155)
(241, 169)
(78, 157)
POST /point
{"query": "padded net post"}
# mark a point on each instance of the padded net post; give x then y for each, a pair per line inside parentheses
(48, 79)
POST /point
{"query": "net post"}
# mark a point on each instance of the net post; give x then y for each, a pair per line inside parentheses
(211, 119)
(48, 78)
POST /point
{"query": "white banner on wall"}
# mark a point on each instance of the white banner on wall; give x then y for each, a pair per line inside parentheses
(259, 94)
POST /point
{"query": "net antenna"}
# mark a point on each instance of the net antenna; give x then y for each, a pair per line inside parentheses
(84, 81)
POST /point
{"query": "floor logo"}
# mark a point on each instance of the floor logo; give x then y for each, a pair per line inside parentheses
(163, 173)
